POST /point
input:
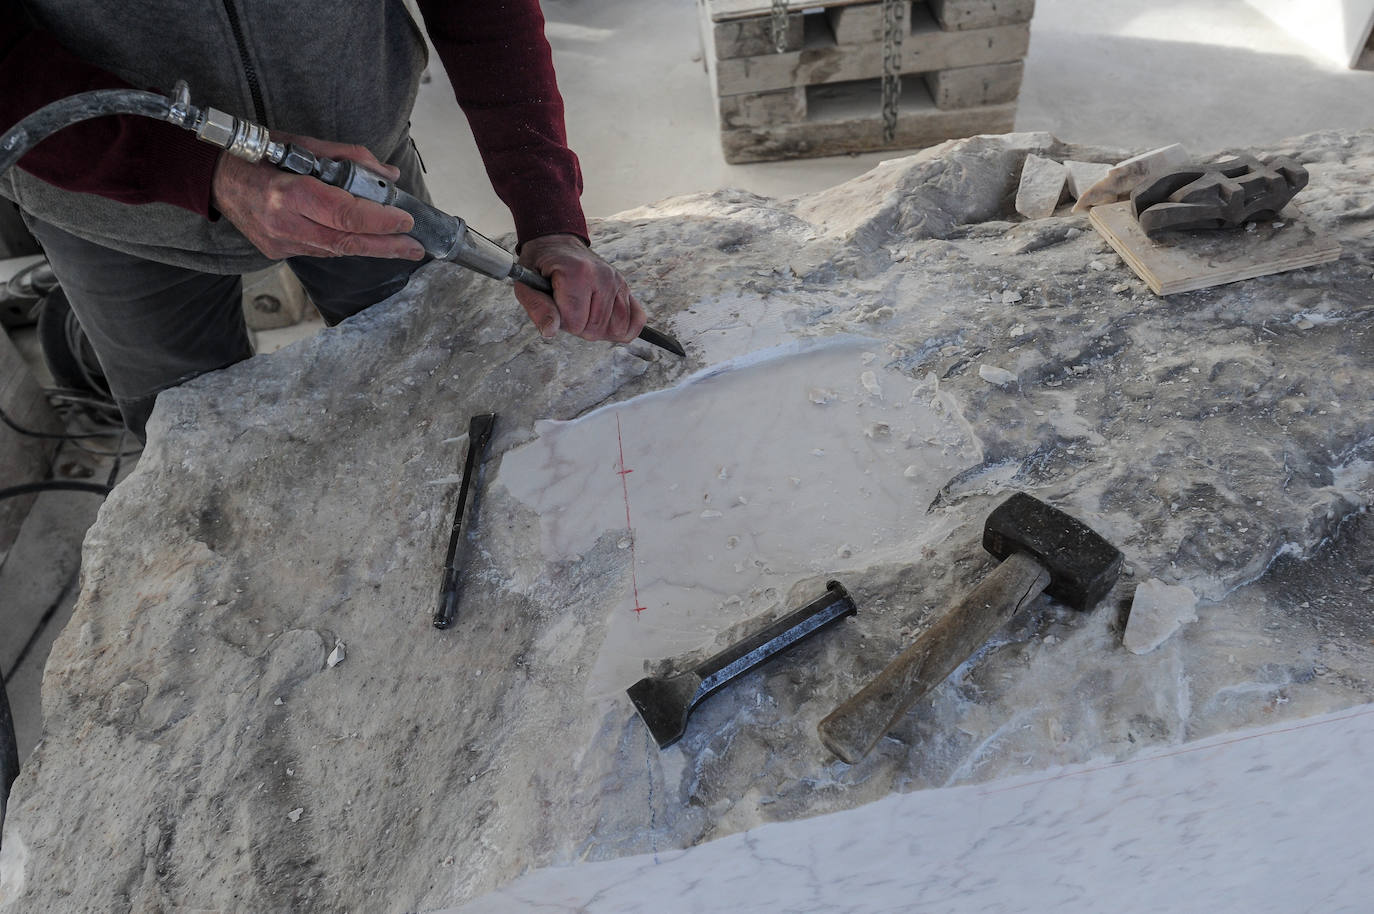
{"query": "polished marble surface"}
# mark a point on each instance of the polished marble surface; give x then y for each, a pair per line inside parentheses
(1275, 819)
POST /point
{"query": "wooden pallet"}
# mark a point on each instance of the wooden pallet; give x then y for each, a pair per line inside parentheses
(961, 63)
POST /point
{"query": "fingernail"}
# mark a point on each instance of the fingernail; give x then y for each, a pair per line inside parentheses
(549, 328)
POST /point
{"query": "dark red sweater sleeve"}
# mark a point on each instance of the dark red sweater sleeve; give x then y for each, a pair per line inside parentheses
(501, 67)
(127, 158)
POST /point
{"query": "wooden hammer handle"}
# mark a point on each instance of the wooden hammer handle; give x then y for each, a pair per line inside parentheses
(852, 729)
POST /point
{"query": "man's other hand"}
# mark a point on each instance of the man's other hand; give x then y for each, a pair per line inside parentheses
(287, 215)
(590, 297)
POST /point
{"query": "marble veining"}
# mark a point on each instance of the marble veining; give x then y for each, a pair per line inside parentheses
(1267, 820)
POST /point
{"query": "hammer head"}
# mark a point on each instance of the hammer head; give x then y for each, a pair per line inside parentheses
(1083, 566)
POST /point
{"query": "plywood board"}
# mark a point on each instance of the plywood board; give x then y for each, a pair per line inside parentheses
(1188, 261)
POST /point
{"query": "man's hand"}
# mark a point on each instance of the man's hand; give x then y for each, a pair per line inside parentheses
(287, 215)
(590, 298)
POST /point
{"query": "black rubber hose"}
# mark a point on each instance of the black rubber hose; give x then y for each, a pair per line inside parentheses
(49, 119)
(54, 485)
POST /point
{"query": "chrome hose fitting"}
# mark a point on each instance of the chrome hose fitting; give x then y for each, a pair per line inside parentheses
(240, 138)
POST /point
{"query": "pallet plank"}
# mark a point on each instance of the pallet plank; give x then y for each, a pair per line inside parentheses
(786, 106)
(926, 49)
(968, 87)
(847, 119)
(981, 14)
(721, 10)
(753, 37)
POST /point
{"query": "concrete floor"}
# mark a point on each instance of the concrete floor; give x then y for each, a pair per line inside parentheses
(1211, 74)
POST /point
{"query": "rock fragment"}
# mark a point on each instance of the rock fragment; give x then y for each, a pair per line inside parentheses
(1042, 184)
(1126, 175)
(995, 375)
(1157, 611)
(1082, 175)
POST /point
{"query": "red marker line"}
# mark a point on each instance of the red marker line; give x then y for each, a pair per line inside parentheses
(625, 488)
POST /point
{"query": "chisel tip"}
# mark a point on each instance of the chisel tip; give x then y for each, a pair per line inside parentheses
(662, 341)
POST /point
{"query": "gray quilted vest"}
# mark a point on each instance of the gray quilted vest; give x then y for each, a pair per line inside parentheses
(343, 70)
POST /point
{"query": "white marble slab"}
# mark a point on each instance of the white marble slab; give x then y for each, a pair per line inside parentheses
(725, 491)
(1269, 820)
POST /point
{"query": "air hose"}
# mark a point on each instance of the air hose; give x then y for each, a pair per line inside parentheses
(443, 236)
(51, 118)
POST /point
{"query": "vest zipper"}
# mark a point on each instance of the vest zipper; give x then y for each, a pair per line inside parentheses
(249, 72)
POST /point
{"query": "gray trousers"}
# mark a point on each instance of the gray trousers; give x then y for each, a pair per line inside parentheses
(154, 326)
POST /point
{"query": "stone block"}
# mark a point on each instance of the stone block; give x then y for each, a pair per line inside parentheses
(981, 14)
(786, 106)
(969, 87)
(199, 754)
(925, 49)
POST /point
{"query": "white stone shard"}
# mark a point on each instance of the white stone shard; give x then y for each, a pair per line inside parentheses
(996, 375)
(1157, 611)
(820, 396)
(1082, 175)
(1041, 187)
(1124, 176)
(869, 380)
(336, 656)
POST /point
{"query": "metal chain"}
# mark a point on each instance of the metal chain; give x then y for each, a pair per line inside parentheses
(779, 25)
(894, 16)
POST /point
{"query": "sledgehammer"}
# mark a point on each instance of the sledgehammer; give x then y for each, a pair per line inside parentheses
(1042, 550)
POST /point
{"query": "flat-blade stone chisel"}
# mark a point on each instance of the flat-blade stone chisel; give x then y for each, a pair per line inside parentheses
(479, 434)
(664, 702)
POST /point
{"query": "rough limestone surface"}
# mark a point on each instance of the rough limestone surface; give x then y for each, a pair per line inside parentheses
(1157, 610)
(200, 753)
